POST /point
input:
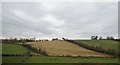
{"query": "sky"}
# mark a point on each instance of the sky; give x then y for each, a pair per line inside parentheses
(59, 19)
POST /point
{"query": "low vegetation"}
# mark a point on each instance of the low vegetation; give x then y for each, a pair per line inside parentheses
(104, 46)
(12, 59)
(44, 59)
(47, 59)
(14, 49)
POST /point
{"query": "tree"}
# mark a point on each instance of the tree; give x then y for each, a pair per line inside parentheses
(94, 37)
(110, 38)
(54, 39)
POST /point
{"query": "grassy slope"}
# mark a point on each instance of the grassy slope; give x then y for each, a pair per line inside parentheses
(44, 59)
(14, 49)
(60, 48)
(105, 44)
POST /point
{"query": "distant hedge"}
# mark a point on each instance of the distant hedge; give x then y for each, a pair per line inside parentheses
(37, 50)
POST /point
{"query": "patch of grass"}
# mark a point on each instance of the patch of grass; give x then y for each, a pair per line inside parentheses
(104, 44)
(0, 48)
(44, 59)
(14, 49)
(12, 59)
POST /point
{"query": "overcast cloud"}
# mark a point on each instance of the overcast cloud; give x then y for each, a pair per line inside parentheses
(59, 19)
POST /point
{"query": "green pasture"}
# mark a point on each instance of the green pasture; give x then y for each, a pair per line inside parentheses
(104, 44)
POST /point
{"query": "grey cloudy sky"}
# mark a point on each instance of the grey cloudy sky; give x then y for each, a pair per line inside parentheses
(59, 19)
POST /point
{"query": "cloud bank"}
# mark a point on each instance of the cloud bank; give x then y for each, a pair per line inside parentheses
(59, 19)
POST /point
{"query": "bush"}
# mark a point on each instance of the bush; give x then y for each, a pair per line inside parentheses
(44, 53)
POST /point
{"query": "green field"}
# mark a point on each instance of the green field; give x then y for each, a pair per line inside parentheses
(0, 48)
(45, 59)
(18, 49)
(15, 49)
(12, 59)
(105, 44)
(12, 49)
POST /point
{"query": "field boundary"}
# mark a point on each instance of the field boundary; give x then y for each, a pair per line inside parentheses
(97, 49)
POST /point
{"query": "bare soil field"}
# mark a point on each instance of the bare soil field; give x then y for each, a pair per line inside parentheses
(63, 48)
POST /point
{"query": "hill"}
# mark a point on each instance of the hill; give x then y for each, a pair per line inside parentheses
(63, 48)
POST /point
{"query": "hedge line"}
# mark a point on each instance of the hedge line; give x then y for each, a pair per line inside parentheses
(96, 48)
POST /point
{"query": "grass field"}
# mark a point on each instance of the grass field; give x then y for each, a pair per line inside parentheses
(9, 48)
(44, 59)
(0, 48)
(105, 44)
(63, 48)
(15, 49)
(12, 49)
(12, 59)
